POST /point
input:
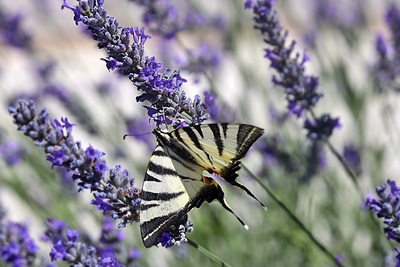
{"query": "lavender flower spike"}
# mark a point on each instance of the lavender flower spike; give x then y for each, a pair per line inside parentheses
(67, 248)
(386, 70)
(387, 206)
(114, 192)
(301, 89)
(161, 88)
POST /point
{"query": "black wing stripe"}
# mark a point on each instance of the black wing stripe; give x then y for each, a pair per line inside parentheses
(183, 150)
(184, 162)
(159, 169)
(224, 129)
(144, 207)
(179, 149)
(196, 142)
(193, 137)
(151, 178)
(217, 138)
(187, 178)
(149, 196)
(199, 130)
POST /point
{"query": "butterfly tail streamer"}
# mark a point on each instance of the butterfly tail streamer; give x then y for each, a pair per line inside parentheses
(226, 206)
(241, 186)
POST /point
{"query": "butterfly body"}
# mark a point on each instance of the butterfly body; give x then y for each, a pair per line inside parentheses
(178, 177)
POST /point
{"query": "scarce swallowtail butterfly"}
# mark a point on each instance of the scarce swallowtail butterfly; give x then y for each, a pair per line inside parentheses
(175, 183)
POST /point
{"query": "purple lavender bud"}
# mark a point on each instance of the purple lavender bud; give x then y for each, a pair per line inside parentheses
(387, 206)
(321, 128)
(11, 30)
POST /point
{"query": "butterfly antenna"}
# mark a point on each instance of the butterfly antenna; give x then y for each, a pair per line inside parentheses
(239, 185)
(134, 135)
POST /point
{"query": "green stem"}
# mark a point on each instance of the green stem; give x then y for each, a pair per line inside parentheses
(294, 218)
(346, 167)
(208, 254)
(341, 160)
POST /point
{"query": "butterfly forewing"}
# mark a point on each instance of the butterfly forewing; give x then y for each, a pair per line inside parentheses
(217, 146)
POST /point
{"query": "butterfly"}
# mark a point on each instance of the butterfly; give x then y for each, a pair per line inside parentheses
(179, 173)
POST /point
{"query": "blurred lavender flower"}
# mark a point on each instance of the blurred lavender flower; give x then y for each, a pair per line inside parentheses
(346, 16)
(321, 128)
(164, 19)
(218, 112)
(315, 160)
(387, 206)
(387, 68)
(115, 192)
(10, 151)
(352, 156)
(272, 149)
(160, 88)
(17, 248)
(110, 243)
(276, 116)
(11, 30)
(200, 61)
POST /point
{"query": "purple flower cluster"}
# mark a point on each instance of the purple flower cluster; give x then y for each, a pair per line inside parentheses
(387, 68)
(301, 89)
(161, 88)
(322, 127)
(219, 112)
(105, 252)
(177, 235)
(114, 192)
(16, 246)
(275, 156)
(387, 206)
(199, 61)
(351, 154)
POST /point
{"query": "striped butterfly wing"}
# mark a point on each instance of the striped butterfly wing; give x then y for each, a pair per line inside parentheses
(175, 182)
(218, 148)
(164, 198)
